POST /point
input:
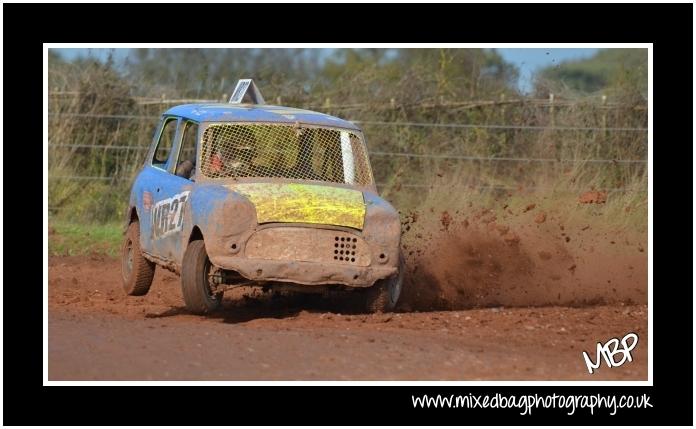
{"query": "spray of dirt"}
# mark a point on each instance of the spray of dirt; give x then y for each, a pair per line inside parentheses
(470, 259)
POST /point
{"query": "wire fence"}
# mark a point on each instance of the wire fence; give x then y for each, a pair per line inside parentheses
(404, 154)
(388, 154)
(400, 185)
(392, 104)
(385, 154)
(398, 124)
(481, 187)
(395, 185)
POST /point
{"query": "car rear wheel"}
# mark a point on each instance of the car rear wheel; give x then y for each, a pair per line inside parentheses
(196, 272)
(137, 272)
(384, 294)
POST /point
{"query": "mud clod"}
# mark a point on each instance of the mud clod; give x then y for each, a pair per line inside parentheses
(503, 229)
(593, 197)
(540, 217)
(511, 238)
(529, 208)
(445, 220)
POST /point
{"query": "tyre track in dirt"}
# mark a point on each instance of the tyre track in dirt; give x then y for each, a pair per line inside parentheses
(98, 333)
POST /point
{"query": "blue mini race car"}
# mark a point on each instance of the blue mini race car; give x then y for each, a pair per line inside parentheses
(248, 194)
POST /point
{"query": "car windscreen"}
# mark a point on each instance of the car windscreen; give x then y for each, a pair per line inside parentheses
(240, 150)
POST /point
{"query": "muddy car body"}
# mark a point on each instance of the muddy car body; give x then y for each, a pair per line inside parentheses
(265, 196)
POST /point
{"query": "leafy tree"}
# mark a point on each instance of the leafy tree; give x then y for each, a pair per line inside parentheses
(622, 72)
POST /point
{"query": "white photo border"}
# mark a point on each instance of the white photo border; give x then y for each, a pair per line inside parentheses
(47, 382)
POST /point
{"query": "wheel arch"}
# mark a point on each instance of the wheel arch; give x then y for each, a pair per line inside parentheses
(131, 216)
(196, 234)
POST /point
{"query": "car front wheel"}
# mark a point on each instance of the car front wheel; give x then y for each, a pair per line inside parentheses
(196, 272)
(384, 294)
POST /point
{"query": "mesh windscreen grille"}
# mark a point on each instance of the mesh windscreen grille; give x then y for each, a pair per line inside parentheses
(287, 151)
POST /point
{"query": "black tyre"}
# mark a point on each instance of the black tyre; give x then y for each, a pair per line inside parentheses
(137, 272)
(384, 294)
(195, 280)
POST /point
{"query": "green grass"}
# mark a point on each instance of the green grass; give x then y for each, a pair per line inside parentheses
(70, 238)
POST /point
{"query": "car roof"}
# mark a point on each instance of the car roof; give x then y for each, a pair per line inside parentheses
(225, 112)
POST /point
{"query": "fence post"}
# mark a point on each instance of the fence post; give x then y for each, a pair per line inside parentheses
(552, 114)
(605, 134)
(604, 115)
(552, 110)
(502, 118)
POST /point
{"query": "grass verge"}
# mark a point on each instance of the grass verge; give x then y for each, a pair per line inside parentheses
(70, 238)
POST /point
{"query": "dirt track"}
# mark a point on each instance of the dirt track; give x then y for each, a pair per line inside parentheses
(97, 333)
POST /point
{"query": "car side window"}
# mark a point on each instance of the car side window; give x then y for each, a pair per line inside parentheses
(166, 141)
(185, 166)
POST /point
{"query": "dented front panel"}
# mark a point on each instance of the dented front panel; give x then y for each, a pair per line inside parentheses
(308, 245)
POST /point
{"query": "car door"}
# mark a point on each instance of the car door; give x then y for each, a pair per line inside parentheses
(161, 216)
(171, 194)
(177, 184)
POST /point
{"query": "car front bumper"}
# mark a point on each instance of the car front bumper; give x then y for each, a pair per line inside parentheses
(306, 256)
(304, 272)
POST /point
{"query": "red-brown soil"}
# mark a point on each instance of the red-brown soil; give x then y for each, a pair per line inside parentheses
(98, 333)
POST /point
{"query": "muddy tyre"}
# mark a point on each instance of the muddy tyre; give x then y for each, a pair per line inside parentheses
(384, 294)
(136, 271)
(195, 283)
